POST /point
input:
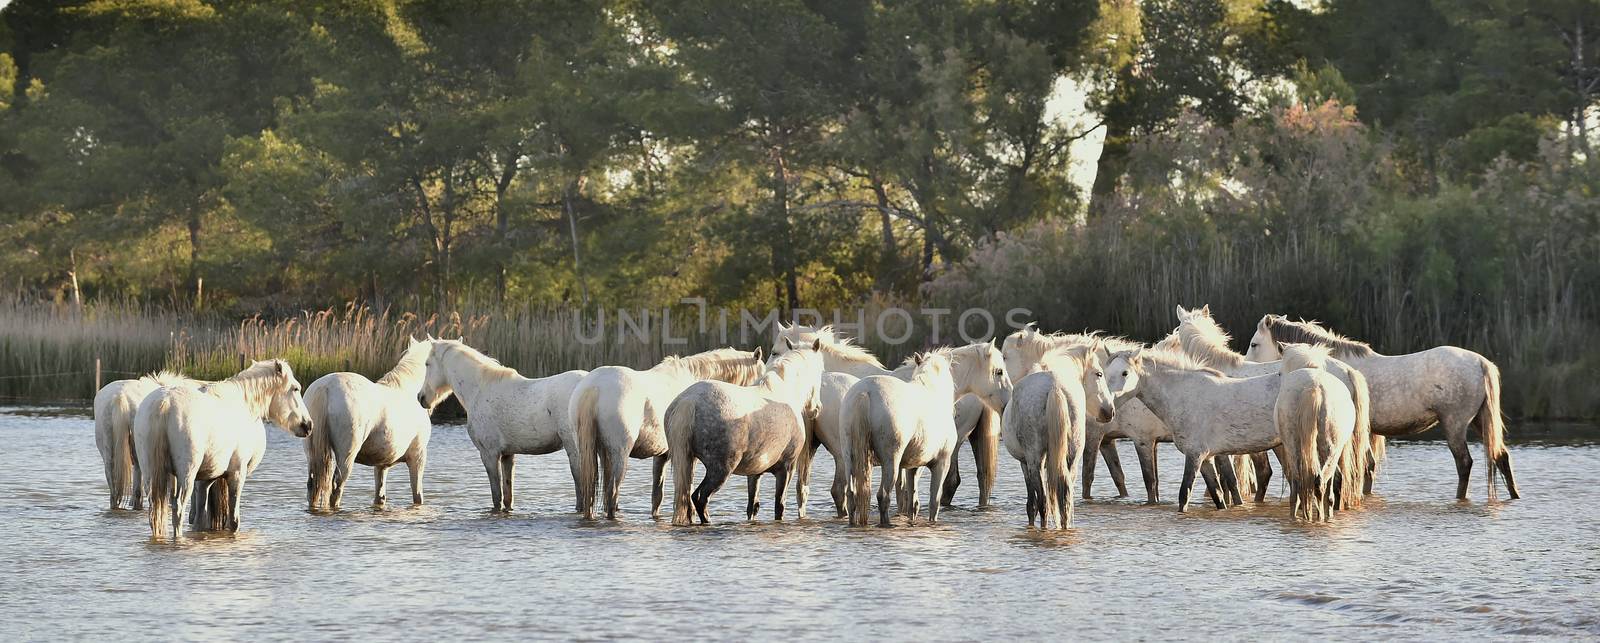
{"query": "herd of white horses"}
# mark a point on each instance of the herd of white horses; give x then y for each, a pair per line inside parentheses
(1321, 402)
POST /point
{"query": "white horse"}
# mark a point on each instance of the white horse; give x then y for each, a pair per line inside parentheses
(1206, 342)
(1024, 348)
(212, 436)
(114, 407)
(507, 414)
(1043, 427)
(900, 424)
(1316, 419)
(377, 424)
(1448, 386)
(617, 413)
(977, 414)
(742, 430)
(1209, 413)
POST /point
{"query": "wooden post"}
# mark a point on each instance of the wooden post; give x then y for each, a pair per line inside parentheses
(242, 362)
(96, 377)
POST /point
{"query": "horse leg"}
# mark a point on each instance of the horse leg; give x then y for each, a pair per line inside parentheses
(985, 440)
(235, 481)
(952, 478)
(802, 474)
(185, 494)
(752, 486)
(491, 466)
(138, 475)
(913, 506)
(716, 474)
(576, 465)
(414, 465)
(658, 482)
(380, 479)
(508, 467)
(1191, 464)
(1263, 465)
(346, 464)
(1456, 437)
(1503, 462)
(1091, 459)
(890, 483)
(937, 472)
(780, 475)
(841, 487)
(1108, 450)
(1230, 480)
(1147, 466)
(616, 461)
(1213, 488)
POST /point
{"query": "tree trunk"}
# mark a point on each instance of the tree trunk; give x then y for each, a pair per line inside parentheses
(502, 223)
(194, 255)
(1580, 66)
(77, 294)
(1109, 168)
(783, 262)
(885, 279)
(569, 193)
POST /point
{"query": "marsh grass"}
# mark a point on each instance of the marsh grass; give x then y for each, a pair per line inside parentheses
(48, 349)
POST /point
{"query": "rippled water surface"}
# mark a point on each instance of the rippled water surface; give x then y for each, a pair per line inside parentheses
(1414, 564)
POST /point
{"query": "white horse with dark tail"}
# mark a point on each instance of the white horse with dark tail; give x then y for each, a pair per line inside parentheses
(1452, 387)
(114, 407)
(742, 430)
(210, 439)
(1043, 427)
(378, 424)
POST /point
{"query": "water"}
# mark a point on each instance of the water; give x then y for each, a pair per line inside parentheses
(1415, 564)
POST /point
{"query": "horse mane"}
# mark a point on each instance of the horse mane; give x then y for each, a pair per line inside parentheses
(1078, 356)
(491, 368)
(925, 362)
(1208, 344)
(1298, 356)
(1176, 361)
(1172, 342)
(841, 347)
(412, 365)
(781, 368)
(729, 364)
(256, 383)
(1285, 331)
(166, 377)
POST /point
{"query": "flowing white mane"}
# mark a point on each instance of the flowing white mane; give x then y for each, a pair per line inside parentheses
(728, 364)
(490, 367)
(411, 367)
(1207, 343)
(1168, 359)
(833, 344)
(1298, 356)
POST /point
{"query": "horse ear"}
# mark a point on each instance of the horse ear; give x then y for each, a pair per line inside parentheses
(758, 353)
(1183, 315)
(816, 345)
(1205, 311)
(788, 344)
(279, 365)
(430, 337)
(917, 359)
(411, 341)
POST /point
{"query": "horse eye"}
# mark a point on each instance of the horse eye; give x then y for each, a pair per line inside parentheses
(1252, 344)
(1124, 373)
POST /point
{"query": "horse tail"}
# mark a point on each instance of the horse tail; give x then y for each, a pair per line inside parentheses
(680, 448)
(586, 431)
(319, 448)
(1375, 457)
(856, 425)
(1359, 455)
(119, 462)
(1058, 430)
(155, 463)
(1491, 425)
(1297, 427)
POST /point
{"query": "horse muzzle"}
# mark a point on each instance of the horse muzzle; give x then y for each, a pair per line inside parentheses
(423, 401)
(1107, 413)
(303, 430)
